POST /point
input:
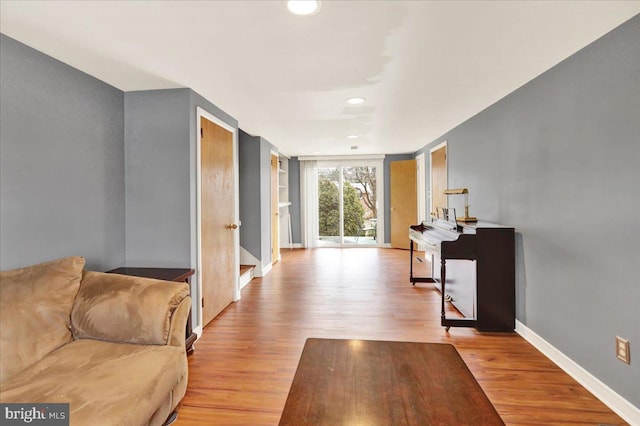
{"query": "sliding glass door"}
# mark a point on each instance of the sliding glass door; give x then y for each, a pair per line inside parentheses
(348, 197)
(329, 206)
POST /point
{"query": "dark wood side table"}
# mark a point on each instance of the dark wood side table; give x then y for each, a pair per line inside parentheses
(166, 274)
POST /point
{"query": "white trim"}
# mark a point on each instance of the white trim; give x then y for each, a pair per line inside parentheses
(446, 172)
(604, 393)
(380, 199)
(296, 246)
(200, 113)
(265, 269)
(422, 193)
(274, 232)
(437, 147)
(198, 331)
(386, 245)
(341, 157)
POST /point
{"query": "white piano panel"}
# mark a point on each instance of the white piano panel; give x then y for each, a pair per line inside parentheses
(461, 286)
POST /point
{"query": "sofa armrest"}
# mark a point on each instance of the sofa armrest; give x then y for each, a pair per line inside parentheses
(179, 319)
(126, 309)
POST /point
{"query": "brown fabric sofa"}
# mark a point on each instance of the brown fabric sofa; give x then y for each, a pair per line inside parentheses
(112, 346)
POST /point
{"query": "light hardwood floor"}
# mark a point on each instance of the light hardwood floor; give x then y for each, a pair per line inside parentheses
(245, 361)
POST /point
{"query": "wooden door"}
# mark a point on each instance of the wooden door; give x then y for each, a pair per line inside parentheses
(438, 179)
(404, 203)
(275, 213)
(217, 218)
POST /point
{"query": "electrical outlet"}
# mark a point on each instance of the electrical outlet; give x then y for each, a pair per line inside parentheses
(622, 350)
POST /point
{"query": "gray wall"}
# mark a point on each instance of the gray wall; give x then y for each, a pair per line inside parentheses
(294, 198)
(559, 160)
(387, 191)
(250, 212)
(255, 196)
(161, 212)
(61, 162)
(157, 167)
(88, 170)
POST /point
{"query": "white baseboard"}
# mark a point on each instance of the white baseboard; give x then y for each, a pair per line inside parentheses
(288, 246)
(265, 270)
(198, 331)
(386, 245)
(604, 393)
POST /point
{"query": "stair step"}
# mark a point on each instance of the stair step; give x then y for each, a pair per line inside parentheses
(246, 274)
(246, 268)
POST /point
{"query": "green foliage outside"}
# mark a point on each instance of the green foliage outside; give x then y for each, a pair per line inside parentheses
(329, 210)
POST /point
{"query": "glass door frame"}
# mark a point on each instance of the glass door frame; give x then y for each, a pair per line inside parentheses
(378, 163)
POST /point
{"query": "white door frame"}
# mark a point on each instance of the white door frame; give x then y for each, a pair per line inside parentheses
(200, 113)
(446, 152)
(422, 193)
(277, 257)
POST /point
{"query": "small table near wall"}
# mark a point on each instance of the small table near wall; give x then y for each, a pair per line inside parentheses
(165, 274)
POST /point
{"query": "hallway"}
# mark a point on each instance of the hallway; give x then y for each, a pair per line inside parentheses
(244, 364)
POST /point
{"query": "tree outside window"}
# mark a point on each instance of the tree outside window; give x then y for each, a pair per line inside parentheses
(359, 198)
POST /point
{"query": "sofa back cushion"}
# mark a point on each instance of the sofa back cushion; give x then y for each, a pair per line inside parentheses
(120, 308)
(35, 311)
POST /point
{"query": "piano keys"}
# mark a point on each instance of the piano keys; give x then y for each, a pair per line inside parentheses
(473, 266)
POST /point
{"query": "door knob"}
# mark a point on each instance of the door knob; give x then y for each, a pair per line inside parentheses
(232, 226)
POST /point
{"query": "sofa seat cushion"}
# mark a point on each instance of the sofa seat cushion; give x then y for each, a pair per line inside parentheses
(104, 383)
(35, 311)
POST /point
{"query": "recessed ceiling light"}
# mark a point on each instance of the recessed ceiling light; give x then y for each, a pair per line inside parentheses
(355, 100)
(303, 7)
(352, 136)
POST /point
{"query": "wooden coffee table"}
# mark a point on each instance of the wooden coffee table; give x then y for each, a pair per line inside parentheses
(361, 382)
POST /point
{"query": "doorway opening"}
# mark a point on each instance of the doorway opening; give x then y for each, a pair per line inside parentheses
(438, 177)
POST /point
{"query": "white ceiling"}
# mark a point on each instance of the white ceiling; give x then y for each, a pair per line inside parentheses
(424, 67)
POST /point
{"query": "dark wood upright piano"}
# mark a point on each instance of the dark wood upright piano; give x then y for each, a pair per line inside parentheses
(473, 266)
